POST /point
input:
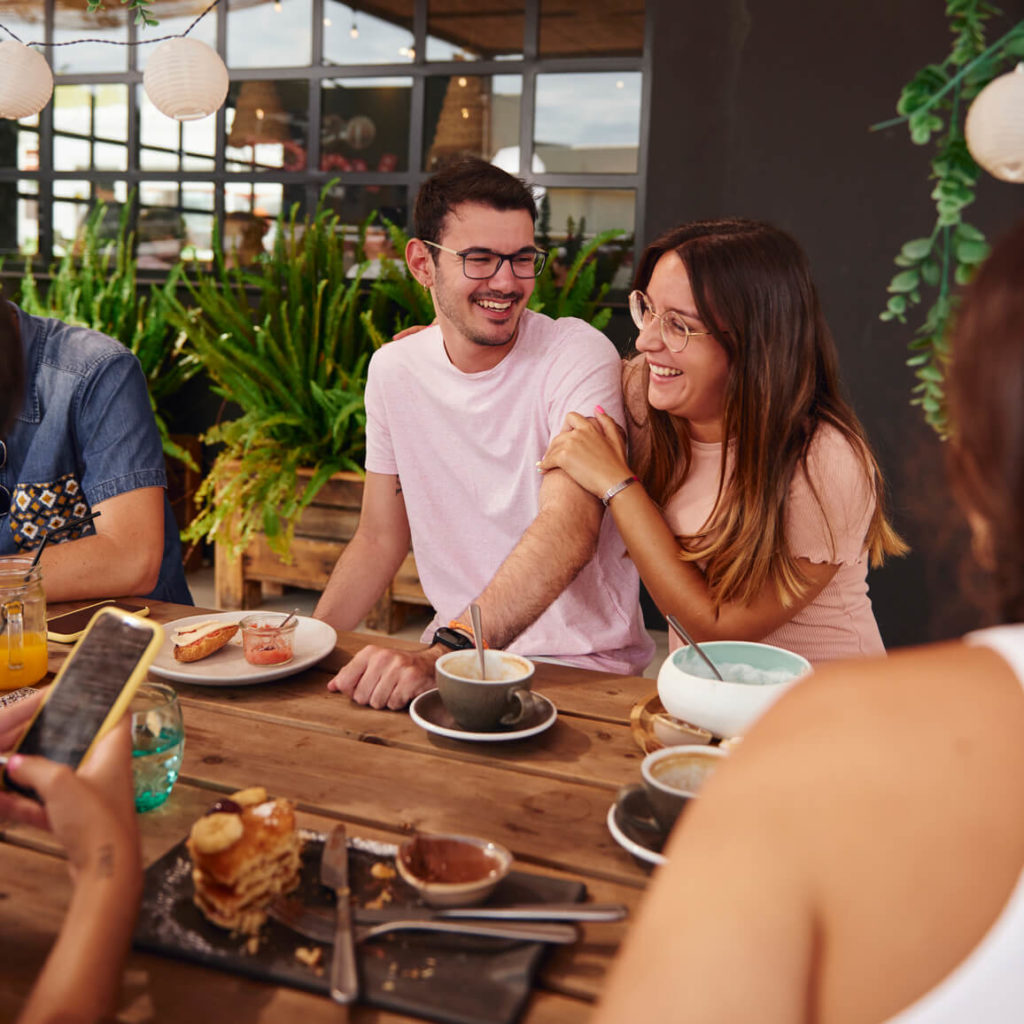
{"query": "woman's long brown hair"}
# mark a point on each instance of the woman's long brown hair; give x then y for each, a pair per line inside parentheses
(985, 387)
(753, 290)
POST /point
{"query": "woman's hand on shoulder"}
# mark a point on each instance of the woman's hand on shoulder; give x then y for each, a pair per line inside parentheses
(591, 450)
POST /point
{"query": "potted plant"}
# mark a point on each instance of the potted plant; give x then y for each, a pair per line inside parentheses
(288, 341)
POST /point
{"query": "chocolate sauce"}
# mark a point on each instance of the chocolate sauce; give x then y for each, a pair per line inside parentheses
(448, 860)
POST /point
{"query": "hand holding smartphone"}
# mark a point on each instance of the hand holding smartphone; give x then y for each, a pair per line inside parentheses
(92, 690)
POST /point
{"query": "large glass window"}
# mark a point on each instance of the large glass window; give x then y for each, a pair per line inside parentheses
(365, 125)
(353, 36)
(267, 125)
(471, 115)
(269, 33)
(588, 123)
(74, 22)
(90, 127)
(338, 97)
(571, 217)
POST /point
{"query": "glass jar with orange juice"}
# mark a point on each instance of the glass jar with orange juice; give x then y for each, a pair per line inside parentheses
(22, 623)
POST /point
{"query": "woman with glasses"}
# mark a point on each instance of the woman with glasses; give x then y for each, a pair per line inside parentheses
(860, 858)
(749, 500)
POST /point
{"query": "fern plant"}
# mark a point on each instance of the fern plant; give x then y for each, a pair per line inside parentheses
(94, 285)
(575, 290)
(294, 358)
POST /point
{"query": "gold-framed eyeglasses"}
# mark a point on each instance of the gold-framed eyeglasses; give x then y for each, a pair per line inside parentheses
(674, 331)
(481, 264)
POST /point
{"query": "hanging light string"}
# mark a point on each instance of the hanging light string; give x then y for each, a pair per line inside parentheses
(117, 42)
(184, 78)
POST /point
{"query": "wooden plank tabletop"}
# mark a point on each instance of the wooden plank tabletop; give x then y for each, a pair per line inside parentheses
(545, 798)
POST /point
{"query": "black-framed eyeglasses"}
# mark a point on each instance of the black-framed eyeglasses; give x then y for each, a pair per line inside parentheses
(480, 264)
(674, 331)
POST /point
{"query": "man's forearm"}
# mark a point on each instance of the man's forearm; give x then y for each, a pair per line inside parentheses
(357, 581)
(550, 554)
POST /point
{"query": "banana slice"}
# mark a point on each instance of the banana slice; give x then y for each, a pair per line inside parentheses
(217, 832)
(249, 797)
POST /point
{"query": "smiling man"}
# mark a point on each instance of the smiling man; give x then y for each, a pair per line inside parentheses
(457, 417)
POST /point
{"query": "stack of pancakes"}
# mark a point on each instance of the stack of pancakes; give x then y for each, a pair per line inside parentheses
(245, 852)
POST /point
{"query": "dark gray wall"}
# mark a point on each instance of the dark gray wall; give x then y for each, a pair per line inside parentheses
(761, 109)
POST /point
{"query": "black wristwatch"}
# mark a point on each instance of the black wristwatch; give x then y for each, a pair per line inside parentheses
(452, 638)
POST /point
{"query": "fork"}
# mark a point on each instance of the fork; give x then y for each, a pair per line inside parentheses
(312, 925)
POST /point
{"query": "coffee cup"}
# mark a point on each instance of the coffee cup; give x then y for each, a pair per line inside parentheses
(671, 777)
(499, 700)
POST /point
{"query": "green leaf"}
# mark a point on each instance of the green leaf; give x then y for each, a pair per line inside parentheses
(906, 281)
(971, 251)
(917, 248)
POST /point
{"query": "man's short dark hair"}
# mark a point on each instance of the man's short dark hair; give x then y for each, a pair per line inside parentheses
(470, 180)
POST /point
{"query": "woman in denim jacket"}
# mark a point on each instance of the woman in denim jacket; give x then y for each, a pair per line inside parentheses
(85, 440)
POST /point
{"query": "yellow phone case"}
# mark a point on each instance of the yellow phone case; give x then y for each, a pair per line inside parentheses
(131, 684)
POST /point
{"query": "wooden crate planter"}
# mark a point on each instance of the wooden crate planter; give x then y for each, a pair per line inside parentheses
(321, 534)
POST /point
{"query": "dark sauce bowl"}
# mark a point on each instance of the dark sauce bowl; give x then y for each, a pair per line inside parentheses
(452, 870)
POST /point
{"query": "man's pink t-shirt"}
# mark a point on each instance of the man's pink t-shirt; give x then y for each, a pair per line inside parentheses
(839, 622)
(465, 448)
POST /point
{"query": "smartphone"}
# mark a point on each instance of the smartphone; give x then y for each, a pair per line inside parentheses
(92, 690)
(67, 628)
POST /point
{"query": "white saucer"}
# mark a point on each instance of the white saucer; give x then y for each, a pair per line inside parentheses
(227, 667)
(638, 850)
(428, 711)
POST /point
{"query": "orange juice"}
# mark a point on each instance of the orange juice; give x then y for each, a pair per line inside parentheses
(33, 662)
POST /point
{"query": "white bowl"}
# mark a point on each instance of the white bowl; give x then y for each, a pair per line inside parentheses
(452, 870)
(688, 690)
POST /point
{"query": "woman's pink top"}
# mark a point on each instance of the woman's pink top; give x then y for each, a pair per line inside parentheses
(839, 622)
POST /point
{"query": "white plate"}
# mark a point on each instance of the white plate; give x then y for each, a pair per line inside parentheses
(227, 667)
(631, 846)
(428, 711)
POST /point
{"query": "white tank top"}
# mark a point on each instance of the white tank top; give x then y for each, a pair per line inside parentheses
(988, 985)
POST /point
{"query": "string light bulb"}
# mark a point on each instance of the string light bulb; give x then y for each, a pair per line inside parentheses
(185, 79)
(994, 128)
(354, 30)
(26, 81)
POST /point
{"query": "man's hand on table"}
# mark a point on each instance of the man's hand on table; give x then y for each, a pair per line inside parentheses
(385, 678)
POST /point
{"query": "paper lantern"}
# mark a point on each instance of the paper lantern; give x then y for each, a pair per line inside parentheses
(26, 81)
(185, 79)
(994, 128)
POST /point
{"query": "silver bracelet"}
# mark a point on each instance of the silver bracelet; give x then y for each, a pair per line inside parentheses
(612, 491)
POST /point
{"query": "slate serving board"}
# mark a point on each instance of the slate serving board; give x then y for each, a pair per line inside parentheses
(450, 978)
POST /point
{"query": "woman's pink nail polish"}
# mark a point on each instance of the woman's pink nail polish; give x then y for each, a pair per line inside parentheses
(599, 410)
(15, 761)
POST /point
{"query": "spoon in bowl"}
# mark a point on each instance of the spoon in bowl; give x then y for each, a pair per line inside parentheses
(478, 637)
(677, 626)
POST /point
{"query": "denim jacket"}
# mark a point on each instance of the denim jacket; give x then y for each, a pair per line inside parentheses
(85, 433)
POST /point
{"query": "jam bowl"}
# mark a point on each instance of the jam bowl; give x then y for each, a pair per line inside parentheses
(452, 870)
(268, 639)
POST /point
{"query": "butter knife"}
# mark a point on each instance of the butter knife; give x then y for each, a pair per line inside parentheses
(514, 912)
(334, 875)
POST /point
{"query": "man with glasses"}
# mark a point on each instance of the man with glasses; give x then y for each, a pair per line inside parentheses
(83, 439)
(457, 417)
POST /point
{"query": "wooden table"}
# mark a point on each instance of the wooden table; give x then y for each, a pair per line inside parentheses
(545, 798)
